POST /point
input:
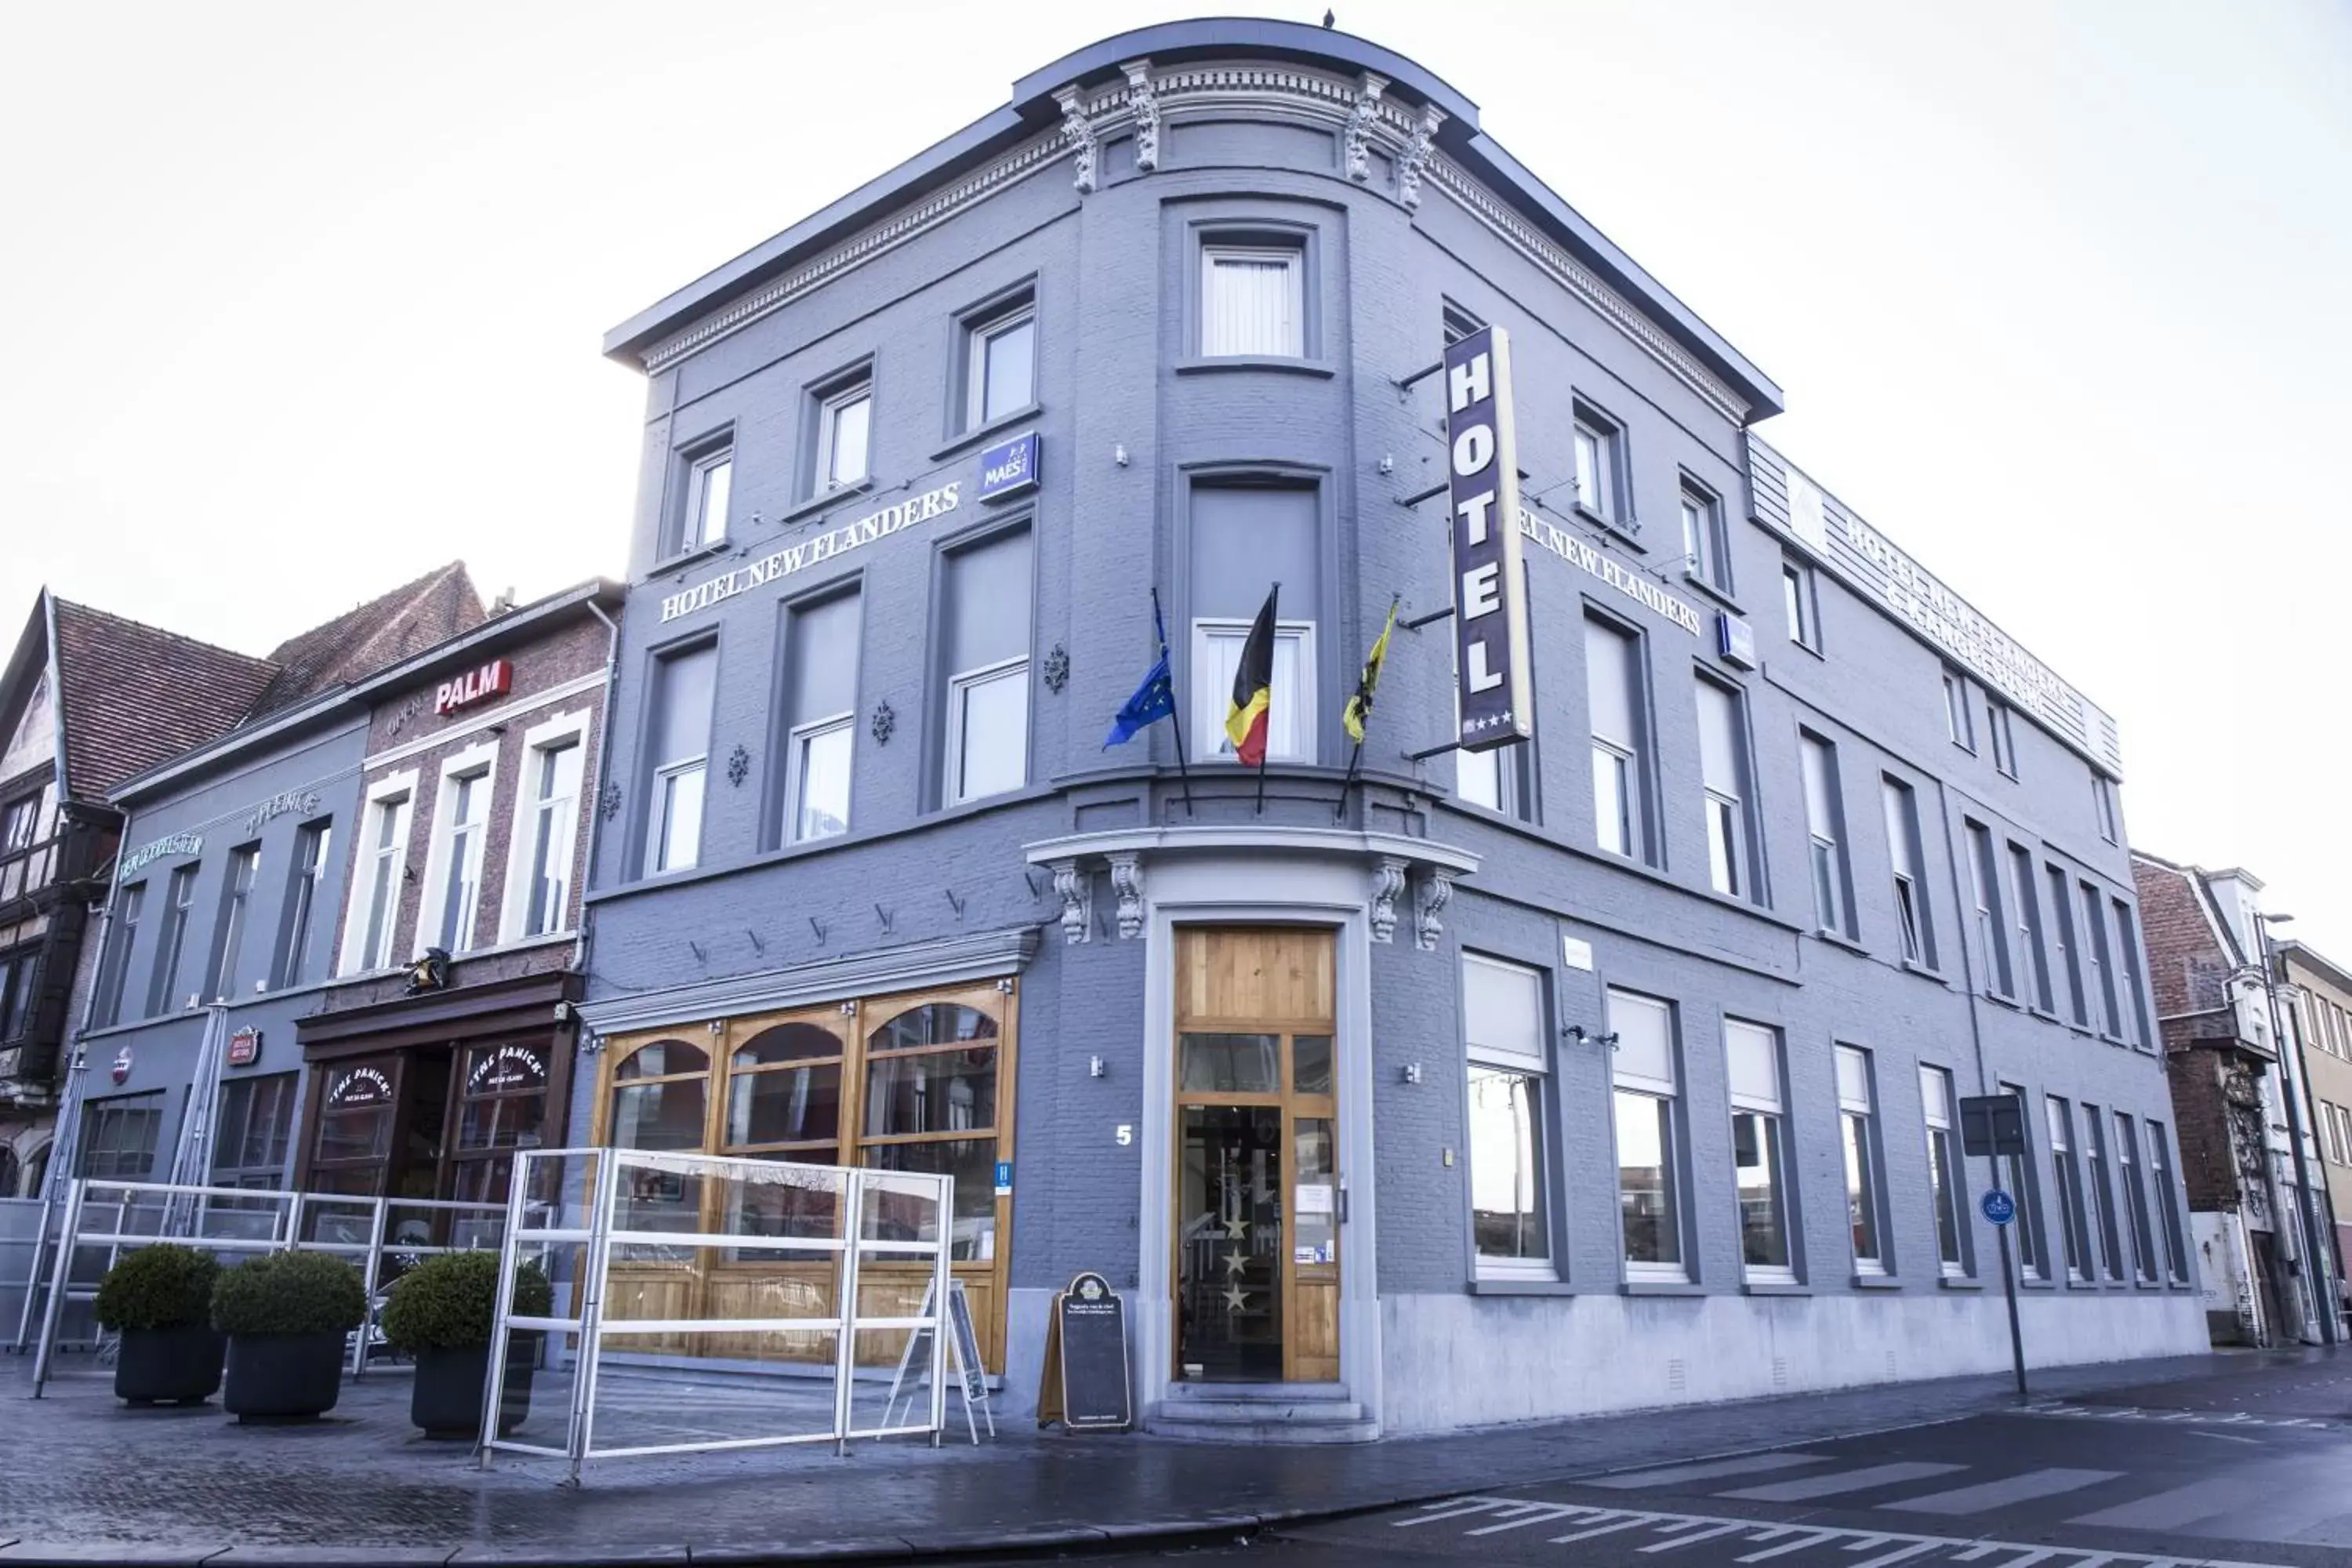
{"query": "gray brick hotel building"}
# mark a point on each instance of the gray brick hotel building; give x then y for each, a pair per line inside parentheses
(1613, 1065)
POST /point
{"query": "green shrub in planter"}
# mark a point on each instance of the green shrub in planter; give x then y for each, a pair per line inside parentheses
(159, 1300)
(441, 1311)
(285, 1315)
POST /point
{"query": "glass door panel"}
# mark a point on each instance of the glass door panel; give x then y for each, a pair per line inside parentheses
(1229, 1244)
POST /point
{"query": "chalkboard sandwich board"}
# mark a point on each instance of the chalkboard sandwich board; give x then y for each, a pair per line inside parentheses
(1085, 1386)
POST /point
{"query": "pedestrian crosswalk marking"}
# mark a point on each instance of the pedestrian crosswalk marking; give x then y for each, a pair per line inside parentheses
(1805, 1488)
(1985, 1495)
(1779, 1540)
(1712, 1469)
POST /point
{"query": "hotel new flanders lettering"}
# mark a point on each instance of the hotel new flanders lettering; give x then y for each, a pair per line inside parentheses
(809, 552)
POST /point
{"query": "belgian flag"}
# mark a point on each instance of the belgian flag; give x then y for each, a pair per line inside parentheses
(1253, 688)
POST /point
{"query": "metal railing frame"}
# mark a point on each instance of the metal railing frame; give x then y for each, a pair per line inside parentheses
(589, 1329)
(181, 1222)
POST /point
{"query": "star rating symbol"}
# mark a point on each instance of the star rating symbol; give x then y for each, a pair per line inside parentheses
(1238, 1227)
(1236, 1298)
(1235, 1262)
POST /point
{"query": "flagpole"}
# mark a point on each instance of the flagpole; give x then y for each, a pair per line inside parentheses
(1363, 721)
(1175, 712)
(1274, 601)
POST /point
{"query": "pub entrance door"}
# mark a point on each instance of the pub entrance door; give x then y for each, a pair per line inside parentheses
(1258, 1192)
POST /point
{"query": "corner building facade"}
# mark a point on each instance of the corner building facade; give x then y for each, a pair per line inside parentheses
(1614, 1070)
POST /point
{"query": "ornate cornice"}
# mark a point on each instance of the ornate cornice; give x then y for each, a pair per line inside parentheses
(1365, 118)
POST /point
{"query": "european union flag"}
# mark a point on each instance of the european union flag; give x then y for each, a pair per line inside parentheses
(1153, 701)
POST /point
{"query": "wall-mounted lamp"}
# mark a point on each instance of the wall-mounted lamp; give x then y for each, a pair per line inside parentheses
(1413, 1072)
(1119, 454)
(1095, 1067)
(1584, 1037)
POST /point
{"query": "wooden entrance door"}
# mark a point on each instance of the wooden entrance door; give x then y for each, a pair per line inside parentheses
(1257, 1180)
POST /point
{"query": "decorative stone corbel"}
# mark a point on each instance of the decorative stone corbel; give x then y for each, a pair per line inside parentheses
(1146, 104)
(1388, 885)
(1076, 888)
(1415, 157)
(1437, 888)
(1078, 130)
(1360, 119)
(1127, 881)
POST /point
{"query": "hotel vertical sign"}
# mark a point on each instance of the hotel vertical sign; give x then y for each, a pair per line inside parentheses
(1483, 503)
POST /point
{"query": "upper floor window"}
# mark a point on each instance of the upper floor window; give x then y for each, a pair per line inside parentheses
(1825, 825)
(1290, 705)
(2062, 936)
(842, 426)
(386, 849)
(1600, 464)
(984, 635)
(19, 977)
(1612, 674)
(302, 885)
(709, 485)
(2101, 979)
(999, 361)
(678, 754)
(1723, 775)
(117, 964)
(464, 809)
(2029, 924)
(818, 687)
(1246, 535)
(180, 895)
(1800, 599)
(1958, 721)
(1706, 552)
(1252, 299)
(552, 776)
(1911, 909)
(2004, 739)
(1993, 931)
(2103, 799)
(20, 821)
(236, 906)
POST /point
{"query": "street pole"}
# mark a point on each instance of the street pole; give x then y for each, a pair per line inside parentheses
(2297, 1087)
(2009, 1287)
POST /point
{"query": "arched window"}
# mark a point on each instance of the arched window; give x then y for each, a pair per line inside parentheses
(931, 1106)
(661, 1094)
(783, 1094)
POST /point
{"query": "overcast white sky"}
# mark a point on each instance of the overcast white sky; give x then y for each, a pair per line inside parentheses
(306, 299)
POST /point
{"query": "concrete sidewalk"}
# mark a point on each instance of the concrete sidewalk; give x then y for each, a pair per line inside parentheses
(83, 1479)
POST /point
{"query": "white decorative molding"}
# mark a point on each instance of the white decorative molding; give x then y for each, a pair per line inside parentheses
(1145, 110)
(1075, 886)
(1127, 881)
(1078, 131)
(1359, 137)
(1388, 885)
(1363, 119)
(1437, 888)
(1582, 282)
(1416, 156)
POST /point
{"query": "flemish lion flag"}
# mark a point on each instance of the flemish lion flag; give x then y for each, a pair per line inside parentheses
(1359, 706)
(1253, 688)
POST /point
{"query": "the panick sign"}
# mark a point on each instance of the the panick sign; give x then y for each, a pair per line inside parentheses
(1490, 625)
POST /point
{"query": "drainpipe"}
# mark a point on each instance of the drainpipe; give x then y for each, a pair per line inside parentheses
(581, 944)
(2298, 1085)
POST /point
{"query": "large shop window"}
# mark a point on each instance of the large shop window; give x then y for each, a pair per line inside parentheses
(1760, 1150)
(818, 687)
(1947, 1190)
(235, 908)
(1503, 1022)
(250, 1141)
(1649, 1180)
(178, 897)
(359, 1106)
(1858, 1134)
(985, 653)
(118, 1138)
(1246, 537)
(115, 967)
(1723, 771)
(1612, 674)
(501, 1107)
(677, 755)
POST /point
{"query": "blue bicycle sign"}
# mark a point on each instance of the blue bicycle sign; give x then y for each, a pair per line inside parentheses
(1999, 1207)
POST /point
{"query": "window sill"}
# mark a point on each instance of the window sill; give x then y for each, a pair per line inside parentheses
(2035, 1285)
(2082, 1285)
(1774, 1288)
(1926, 972)
(1876, 1282)
(1507, 1286)
(1722, 596)
(996, 426)
(1958, 1283)
(2045, 1014)
(1629, 530)
(1660, 1288)
(1839, 939)
(686, 558)
(1322, 370)
(1810, 648)
(818, 503)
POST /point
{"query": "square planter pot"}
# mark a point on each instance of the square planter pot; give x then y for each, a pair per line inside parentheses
(283, 1377)
(447, 1399)
(168, 1366)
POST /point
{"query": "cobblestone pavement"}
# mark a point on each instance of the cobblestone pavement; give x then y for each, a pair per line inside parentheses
(83, 1479)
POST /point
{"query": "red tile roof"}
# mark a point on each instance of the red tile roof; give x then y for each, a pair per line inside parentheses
(134, 695)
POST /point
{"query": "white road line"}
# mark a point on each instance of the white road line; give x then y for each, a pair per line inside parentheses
(1707, 1534)
(1806, 1487)
(1815, 1539)
(1540, 1513)
(1603, 1530)
(1714, 1469)
(1985, 1495)
(1453, 1509)
(1983, 1549)
(1884, 1559)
